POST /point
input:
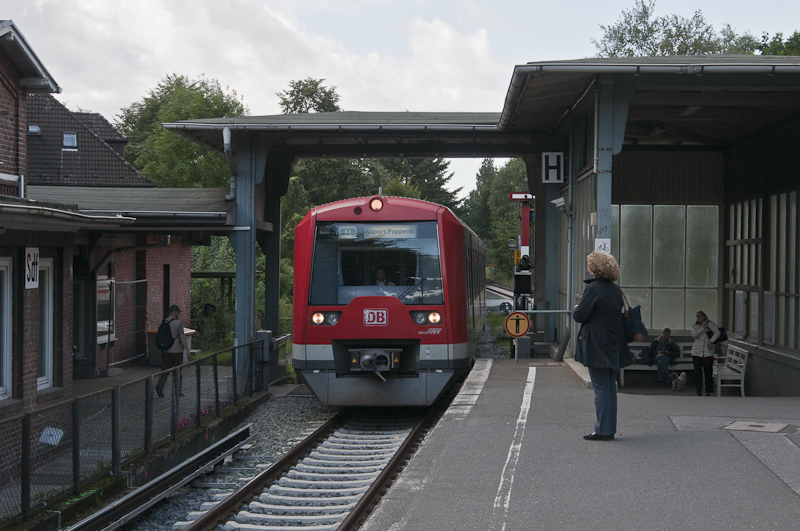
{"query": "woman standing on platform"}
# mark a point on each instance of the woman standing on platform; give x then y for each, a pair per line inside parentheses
(703, 352)
(601, 340)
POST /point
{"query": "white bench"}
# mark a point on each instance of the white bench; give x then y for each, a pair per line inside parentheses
(682, 363)
(732, 370)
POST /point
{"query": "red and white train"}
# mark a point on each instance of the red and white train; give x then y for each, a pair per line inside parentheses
(388, 300)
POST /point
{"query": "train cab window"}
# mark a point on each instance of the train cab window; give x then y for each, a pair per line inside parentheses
(347, 257)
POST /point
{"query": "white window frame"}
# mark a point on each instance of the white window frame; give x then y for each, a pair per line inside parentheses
(111, 334)
(5, 323)
(46, 275)
(72, 145)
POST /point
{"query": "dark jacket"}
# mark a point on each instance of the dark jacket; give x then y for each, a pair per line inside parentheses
(601, 339)
(673, 349)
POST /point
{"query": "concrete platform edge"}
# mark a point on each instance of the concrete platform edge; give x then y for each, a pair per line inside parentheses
(579, 370)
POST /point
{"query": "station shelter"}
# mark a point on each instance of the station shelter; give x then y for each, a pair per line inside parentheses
(91, 253)
(685, 168)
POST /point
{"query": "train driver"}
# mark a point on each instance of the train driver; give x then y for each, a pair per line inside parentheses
(380, 275)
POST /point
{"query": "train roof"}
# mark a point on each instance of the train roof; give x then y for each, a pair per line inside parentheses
(395, 201)
(402, 207)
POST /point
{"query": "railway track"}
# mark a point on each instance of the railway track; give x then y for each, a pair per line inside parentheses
(500, 288)
(328, 481)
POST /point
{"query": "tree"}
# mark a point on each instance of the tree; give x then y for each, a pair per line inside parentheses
(477, 213)
(165, 158)
(640, 33)
(308, 95)
(777, 46)
(429, 176)
(505, 216)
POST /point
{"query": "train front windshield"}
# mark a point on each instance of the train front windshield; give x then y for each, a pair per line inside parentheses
(376, 259)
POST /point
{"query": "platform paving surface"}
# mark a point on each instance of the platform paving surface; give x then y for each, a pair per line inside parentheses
(510, 455)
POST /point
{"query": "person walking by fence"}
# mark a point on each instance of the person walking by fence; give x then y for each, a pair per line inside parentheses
(177, 353)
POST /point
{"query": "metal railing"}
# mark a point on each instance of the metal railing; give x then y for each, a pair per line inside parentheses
(57, 450)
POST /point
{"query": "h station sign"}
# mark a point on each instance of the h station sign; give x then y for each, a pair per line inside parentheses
(553, 167)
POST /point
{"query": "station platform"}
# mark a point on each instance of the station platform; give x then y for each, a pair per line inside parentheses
(509, 455)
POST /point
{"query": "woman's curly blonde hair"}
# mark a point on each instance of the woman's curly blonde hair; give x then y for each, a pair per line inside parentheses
(603, 265)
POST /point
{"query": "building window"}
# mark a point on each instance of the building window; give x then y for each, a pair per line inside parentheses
(105, 311)
(5, 328)
(45, 361)
(70, 141)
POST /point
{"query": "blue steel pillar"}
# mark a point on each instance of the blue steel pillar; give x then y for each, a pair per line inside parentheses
(251, 157)
(612, 115)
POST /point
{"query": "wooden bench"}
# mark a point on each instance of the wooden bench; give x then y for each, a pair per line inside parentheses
(732, 370)
(682, 363)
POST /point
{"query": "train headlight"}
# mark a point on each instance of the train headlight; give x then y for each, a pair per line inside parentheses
(326, 318)
(423, 318)
(375, 204)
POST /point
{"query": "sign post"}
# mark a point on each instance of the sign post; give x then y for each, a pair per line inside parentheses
(517, 325)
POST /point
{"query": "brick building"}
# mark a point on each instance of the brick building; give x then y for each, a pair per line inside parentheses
(124, 281)
(36, 248)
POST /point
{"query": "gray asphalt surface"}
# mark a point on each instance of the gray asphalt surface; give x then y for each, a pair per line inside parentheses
(488, 466)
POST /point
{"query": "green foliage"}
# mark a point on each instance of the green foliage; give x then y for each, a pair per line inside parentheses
(639, 33)
(165, 158)
(429, 176)
(398, 187)
(327, 180)
(308, 95)
(777, 46)
(215, 329)
(477, 213)
(505, 217)
(492, 216)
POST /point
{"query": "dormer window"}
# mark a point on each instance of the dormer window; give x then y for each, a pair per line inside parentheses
(70, 141)
(34, 130)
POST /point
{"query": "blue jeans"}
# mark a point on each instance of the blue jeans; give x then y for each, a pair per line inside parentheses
(604, 382)
(662, 361)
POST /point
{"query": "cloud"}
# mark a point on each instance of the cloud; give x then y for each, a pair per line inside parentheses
(115, 52)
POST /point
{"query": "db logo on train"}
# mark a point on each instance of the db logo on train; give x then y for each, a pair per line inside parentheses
(376, 317)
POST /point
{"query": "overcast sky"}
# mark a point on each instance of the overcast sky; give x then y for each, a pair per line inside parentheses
(382, 55)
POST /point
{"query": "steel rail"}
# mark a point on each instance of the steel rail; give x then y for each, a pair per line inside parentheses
(125, 509)
(255, 486)
(387, 475)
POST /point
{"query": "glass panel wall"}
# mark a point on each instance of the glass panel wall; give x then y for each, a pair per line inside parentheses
(668, 257)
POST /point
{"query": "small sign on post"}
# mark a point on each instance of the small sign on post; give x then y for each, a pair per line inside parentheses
(602, 245)
(520, 196)
(517, 324)
(553, 167)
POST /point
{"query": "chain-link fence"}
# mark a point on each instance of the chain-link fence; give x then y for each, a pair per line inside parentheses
(56, 450)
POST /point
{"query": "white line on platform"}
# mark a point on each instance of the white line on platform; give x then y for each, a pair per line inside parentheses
(503, 497)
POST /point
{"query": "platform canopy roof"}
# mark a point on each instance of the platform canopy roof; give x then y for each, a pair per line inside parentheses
(711, 100)
(714, 101)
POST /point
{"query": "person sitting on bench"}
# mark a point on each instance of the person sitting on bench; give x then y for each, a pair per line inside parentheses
(666, 351)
